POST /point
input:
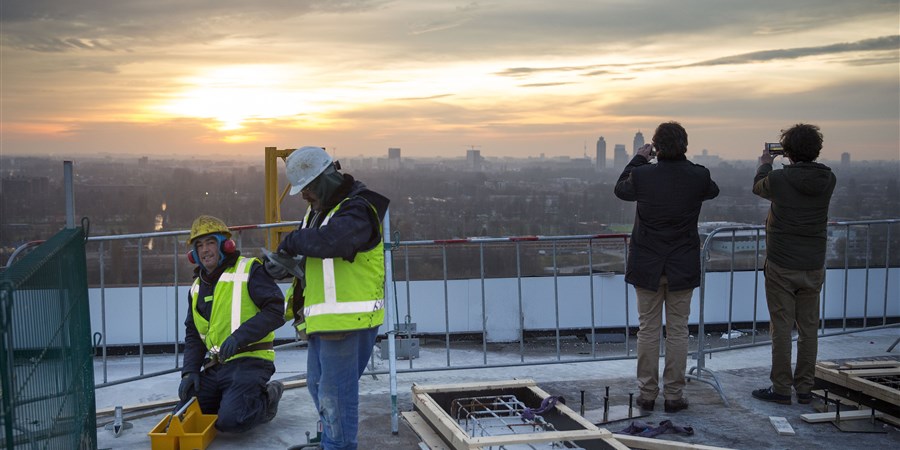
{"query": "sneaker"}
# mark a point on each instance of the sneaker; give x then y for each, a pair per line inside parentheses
(804, 399)
(274, 389)
(645, 405)
(769, 395)
(672, 406)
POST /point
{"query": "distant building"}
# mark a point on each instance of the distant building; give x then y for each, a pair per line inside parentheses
(705, 159)
(638, 142)
(845, 159)
(620, 156)
(601, 153)
(473, 160)
(394, 162)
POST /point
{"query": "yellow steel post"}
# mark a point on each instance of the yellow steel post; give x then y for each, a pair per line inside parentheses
(273, 197)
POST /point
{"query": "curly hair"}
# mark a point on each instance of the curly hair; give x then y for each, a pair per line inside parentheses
(670, 140)
(802, 142)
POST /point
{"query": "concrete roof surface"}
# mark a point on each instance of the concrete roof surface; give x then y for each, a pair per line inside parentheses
(743, 424)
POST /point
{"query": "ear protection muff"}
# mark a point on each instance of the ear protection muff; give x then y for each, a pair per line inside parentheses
(226, 247)
(192, 256)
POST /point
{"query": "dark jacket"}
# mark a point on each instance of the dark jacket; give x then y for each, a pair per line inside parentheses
(664, 240)
(266, 295)
(796, 229)
(352, 229)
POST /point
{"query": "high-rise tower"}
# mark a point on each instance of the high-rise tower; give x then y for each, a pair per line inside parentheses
(394, 161)
(638, 142)
(620, 156)
(601, 153)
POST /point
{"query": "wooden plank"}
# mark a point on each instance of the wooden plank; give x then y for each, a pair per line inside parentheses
(174, 401)
(782, 426)
(587, 425)
(828, 364)
(139, 407)
(895, 421)
(845, 415)
(422, 429)
(659, 444)
(871, 364)
(474, 386)
(534, 438)
(866, 387)
(876, 372)
(446, 427)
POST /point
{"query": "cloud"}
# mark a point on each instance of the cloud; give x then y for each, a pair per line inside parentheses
(866, 45)
(458, 17)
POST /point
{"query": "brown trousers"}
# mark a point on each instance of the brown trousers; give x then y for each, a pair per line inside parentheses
(793, 299)
(650, 307)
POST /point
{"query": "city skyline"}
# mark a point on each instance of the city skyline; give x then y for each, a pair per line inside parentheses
(227, 78)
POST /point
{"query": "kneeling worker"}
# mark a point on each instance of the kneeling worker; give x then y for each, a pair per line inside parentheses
(234, 308)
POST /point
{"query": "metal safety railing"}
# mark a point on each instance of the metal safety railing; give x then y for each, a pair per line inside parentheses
(515, 301)
(132, 270)
(842, 236)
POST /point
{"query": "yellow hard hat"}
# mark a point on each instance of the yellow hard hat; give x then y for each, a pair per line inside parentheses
(204, 225)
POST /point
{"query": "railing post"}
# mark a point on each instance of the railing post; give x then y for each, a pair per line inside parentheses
(390, 292)
(70, 194)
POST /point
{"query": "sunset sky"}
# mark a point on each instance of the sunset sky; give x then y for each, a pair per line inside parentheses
(434, 77)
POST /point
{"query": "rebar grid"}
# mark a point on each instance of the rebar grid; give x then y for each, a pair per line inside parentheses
(495, 415)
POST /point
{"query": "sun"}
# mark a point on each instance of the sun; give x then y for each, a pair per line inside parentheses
(232, 95)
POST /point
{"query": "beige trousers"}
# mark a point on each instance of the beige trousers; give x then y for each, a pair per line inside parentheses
(678, 308)
(793, 299)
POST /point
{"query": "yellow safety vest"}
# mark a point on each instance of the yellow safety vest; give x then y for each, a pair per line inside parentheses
(340, 295)
(231, 307)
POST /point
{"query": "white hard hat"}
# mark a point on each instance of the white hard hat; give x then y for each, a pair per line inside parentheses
(304, 165)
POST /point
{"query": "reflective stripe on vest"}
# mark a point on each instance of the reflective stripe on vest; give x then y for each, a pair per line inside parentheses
(213, 334)
(329, 304)
(239, 277)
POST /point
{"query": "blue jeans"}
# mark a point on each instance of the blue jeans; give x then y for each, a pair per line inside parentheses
(333, 369)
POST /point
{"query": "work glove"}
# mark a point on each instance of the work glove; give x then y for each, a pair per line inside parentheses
(228, 348)
(190, 381)
(276, 271)
(283, 250)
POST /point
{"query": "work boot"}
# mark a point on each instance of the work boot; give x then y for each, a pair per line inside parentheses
(769, 395)
(672, 406)
(644, 404)
(804, 399)
(274, 389)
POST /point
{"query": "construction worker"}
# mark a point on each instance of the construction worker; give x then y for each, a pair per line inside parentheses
(342, 303)
(234, 308)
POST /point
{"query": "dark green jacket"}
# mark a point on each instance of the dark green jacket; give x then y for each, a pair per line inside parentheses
(796, 229)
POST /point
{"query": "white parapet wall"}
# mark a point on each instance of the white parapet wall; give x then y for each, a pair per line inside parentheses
(545, 302)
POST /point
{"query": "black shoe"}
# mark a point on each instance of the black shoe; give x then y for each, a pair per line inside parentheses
(274, 389)
(769, 395)
(672, 406)
(645, 405)
(804, 399)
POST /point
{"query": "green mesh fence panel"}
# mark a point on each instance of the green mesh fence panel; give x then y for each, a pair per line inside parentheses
(46, 356)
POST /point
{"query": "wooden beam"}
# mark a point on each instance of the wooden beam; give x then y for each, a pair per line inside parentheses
(871, 364)
(659, 444)
(895, 421)
(845, 415)
(474, 386)
(174, 401)
(422, 429)
(857, 383)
